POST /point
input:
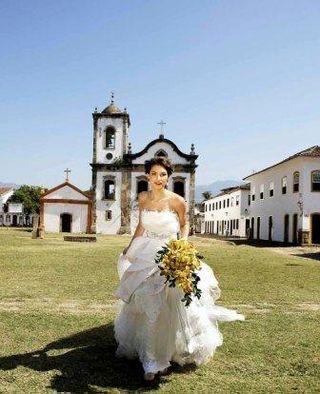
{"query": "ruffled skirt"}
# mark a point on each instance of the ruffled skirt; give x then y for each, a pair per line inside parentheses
(155, 326)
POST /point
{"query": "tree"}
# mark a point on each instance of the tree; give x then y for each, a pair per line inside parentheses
(207, 195)
(29, 196)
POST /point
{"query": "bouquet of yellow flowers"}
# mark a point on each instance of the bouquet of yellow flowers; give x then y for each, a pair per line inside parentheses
(178, 260)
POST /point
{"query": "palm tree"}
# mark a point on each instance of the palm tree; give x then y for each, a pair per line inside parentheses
(206, 195)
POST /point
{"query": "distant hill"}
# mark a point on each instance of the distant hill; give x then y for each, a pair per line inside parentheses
(214, 188)
(8, 184)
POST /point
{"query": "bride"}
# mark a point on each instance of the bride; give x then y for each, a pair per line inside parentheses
(153, 324)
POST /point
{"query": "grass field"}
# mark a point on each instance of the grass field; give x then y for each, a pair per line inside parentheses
(57, 308)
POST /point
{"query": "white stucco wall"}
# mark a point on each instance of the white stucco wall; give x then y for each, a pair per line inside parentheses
(66, 192)
(235, 212)
(52, 212)
(102, 225)
(282, 204)
(101, 151)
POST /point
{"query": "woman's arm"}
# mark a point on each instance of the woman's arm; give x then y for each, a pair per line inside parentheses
(139, 229)
(180, 206)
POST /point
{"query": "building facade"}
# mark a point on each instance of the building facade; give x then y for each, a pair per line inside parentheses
(14, 216)
(65, 208)
(227, 214)
(118, 174)
(285, 199)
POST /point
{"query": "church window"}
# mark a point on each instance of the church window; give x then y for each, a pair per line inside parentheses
(296, 179)
(108, 214)
(284, 185)
(109, 188)
(142, 185)
(161, 153)
(315, 181)
(253, 195)
(261, 191)
(271, 189)
(179, 186)
(109, 156)
(110, 137)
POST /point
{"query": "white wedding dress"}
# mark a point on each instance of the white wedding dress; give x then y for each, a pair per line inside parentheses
(153, 324)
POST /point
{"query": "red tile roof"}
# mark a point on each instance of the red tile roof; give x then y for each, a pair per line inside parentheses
(4, 190)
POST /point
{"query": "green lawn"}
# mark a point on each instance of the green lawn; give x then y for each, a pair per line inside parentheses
(57, 309)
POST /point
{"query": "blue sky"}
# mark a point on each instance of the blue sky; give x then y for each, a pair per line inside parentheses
(239, 79)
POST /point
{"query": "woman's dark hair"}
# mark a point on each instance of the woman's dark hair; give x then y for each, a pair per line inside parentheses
(158, 161)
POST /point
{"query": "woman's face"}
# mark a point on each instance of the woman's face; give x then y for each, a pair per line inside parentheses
(158, 177)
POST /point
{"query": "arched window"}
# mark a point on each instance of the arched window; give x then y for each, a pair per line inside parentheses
(142, 184)
(315, 181)
(109, 188)
(179, 186)
(284, 185)
(296, 178)
(110, 137)
(161, 153)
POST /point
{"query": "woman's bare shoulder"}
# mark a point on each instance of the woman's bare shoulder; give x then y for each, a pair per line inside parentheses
(176, 201)
(142, 198)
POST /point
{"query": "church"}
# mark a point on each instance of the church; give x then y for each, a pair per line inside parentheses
(111, 206)
(118, 173)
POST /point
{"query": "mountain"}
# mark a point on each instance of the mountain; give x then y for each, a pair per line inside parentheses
(214, 187)
(8, 184)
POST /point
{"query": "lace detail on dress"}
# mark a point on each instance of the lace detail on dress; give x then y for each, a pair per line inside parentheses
(151, 234)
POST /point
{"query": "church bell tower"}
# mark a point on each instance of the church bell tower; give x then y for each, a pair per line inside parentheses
(110, 144)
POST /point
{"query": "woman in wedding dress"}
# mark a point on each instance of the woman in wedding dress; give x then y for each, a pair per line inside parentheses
(153, 324)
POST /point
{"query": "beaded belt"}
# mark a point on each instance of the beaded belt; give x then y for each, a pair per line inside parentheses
(151, 234)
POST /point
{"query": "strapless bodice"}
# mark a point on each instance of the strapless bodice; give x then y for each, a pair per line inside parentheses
(160, 223)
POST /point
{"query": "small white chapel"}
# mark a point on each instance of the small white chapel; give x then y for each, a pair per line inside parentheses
(66, 208)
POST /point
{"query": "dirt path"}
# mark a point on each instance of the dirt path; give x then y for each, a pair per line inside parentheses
(308, 252)
(77, 307)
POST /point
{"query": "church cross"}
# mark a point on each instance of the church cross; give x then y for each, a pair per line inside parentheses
(67, 174)
(162, 123)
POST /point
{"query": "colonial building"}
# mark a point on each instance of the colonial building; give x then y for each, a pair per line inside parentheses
(118, 173)
(5, 194)
(14, 215)
(227, 213)
(65, 208)
(285, 199)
